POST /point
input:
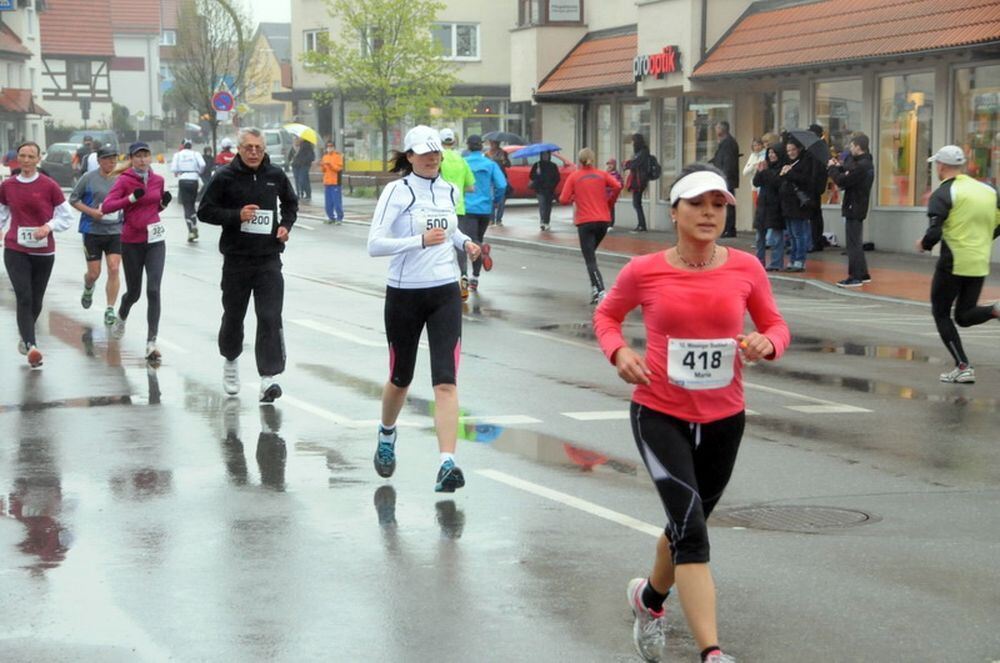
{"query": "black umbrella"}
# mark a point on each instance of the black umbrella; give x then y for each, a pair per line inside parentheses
(815, 146)
(504, 137)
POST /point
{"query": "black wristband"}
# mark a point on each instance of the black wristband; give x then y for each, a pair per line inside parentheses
(423, 245)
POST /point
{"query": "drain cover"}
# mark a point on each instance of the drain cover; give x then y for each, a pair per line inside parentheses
(791, 518)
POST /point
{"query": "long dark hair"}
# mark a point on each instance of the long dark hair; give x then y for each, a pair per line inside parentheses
(398, 163)
(638, 143)
(696, 167)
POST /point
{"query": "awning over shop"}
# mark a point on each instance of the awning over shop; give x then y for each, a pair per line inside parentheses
(836, 31)
(601, 62)
(11, 45)
(14, 100)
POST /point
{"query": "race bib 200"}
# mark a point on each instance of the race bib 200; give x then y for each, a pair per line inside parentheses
(260, 224)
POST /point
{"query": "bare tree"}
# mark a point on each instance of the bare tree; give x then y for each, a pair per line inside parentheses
(214, 51)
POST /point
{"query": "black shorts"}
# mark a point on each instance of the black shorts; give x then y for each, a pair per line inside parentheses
(96, 245)
(407, 311)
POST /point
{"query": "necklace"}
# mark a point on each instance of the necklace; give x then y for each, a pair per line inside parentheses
(698, 265)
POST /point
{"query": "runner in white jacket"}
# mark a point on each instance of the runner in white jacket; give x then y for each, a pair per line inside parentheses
(415, 222)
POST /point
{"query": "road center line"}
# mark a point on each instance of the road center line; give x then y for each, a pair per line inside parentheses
(792, 394)
(316, 326)
(574, 502)
(173, 347)
(303, 226)
(566, 341)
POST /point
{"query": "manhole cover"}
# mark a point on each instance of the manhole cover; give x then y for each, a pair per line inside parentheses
(792, 518)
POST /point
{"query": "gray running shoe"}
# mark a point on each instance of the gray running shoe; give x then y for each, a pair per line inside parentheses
(960, 375)
(88, 296)
(385, 454)
(109, 316)
(649, 629)
(118, 329)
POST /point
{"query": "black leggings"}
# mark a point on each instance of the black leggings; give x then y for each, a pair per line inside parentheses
(690, 465)
(963, 292)
(406, 313)
(135, 258)
(591, 234)
(29, 276)
(639, 212)
(473, 225)
(187, 191)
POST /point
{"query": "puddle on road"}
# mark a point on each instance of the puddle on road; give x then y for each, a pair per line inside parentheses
(849, 349)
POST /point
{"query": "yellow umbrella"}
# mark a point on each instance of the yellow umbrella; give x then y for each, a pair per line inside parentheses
(303, 132)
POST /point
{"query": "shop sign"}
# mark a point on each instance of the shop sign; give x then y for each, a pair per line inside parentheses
(564, 10)
(667, 61)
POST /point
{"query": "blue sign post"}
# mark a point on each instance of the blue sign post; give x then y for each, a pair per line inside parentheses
(8, 5)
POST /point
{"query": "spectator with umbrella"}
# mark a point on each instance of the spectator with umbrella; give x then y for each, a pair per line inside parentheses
(797, 200)
(543, 178)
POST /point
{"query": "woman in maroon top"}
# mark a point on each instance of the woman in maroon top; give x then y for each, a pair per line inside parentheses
(31, 206)
(594, 192)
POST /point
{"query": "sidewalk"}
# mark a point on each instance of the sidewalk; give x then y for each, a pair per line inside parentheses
(897, 276)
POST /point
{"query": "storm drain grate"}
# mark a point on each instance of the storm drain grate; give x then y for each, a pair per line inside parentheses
(792, 518)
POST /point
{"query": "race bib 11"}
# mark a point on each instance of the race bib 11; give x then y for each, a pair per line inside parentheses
(26, 238)
(701, 363)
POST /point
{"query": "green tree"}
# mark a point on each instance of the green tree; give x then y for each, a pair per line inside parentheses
(387, 60)
(120, 119)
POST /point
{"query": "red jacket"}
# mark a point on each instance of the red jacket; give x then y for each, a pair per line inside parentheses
(594, 192)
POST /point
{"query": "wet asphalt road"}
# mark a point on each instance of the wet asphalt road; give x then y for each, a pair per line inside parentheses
(143, 516)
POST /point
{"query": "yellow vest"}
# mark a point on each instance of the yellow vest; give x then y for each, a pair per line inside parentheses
(968, 230)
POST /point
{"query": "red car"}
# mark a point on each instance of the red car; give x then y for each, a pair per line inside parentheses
(517, 174)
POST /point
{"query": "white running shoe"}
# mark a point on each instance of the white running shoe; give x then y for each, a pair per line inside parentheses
(152, 352)
(231, 377)
(649, 628)
(718, 657)
(960, 375)
(22, 347)
(118, 329)
(269, 389)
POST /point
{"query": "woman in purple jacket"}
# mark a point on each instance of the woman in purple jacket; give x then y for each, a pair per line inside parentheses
(141, 195)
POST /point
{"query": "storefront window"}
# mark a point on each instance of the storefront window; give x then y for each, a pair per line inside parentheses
(838, 109)
(700, 118)
(977, 120)
(669, 151)
(605, 140)
(634, 120)
(770, 111)
(789, 110)
(906, 106)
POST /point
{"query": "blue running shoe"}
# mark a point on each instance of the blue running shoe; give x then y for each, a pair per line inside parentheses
(385, 453)
(449, 479)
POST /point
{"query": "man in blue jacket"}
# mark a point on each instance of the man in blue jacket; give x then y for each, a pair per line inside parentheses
(491, 186)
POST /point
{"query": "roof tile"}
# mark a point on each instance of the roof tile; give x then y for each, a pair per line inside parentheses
(594, 64)
(76, 27)
(135, 17)
(838, 30)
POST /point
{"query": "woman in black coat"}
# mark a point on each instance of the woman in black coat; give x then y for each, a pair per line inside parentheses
(768, 221)
(543, 179)
(638, 177)
(797, 202)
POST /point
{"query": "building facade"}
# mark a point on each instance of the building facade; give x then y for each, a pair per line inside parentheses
(271, 69)
(21, 116)
(135, 67)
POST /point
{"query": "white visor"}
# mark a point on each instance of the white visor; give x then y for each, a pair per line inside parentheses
(697, 183)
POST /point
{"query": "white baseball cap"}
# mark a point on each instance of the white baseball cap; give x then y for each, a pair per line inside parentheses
(447, 136)
(949, 155)
(421, 139)
(697, 183)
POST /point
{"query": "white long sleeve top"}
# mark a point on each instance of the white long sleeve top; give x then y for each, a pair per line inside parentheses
(407, 208)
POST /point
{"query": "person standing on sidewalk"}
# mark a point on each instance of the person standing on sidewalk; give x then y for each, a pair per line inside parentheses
(32, 206)
(965, 217)
(543, 178)
(415, 223)
(333, 166)
(499, 155)
(588, 188)
(855, 177)
(768, 220)
(254, 203)
(796, 203)
(491, 186)
(688, 407)
(817, 241)
(187, 166)
(140, 195)
(102, 234)
(727, 159)
(301, 163)
(638, 178)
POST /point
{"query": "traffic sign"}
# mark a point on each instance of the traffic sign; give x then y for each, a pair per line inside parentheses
(223, 101)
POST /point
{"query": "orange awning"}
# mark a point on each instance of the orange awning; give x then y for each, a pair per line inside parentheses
(601, 62)
(837, 31)
(14, 100)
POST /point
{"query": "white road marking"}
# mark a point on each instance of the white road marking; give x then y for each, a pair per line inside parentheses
(330, 331)
(315, 409)
(565, 341)
(501, 420)
(574, 502)
(600, 415)
(173, 347)
(342, 286)
(333, 417)
(825, 409)
(803, 397)
(303, 226)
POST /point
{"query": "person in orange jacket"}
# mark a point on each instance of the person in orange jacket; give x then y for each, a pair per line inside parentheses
(333, 165)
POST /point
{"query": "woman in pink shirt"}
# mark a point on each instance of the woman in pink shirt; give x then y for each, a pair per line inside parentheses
(593, 192)
(688, 407)
(140, 193)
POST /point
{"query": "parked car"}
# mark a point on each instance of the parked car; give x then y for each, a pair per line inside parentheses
(57, 162)
(277, 143)
(106, 136)
(517, 174)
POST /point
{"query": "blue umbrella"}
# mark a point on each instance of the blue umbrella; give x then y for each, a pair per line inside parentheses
(536, 148)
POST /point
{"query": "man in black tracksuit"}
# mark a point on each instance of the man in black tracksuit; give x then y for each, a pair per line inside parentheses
(243, 198)
(855, 177)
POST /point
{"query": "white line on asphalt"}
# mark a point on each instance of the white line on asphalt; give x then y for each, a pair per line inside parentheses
(360, 291)
(574, 502)
(314, 409)
(303, 226)
(602, 415)
(803, 397)
(409, 422)
(330, 331)
(566, 341)
(500, 420)
(825, 409)
(173, 347)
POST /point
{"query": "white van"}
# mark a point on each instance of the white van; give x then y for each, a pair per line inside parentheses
(277, 144)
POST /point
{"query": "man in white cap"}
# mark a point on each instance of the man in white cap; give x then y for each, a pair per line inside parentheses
(455, 169)
(965, 217)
